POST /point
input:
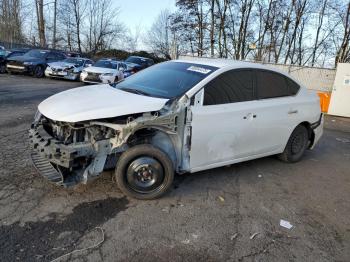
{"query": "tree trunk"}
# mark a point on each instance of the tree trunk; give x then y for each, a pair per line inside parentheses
(41, 22)
(212, 28)
(54, 25)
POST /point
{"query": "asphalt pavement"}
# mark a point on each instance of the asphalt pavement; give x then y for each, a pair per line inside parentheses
(225, 214)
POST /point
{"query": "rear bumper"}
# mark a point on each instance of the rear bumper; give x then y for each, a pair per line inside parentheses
(317, 128)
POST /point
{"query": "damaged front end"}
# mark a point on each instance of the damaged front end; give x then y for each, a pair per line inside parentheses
(71, 153)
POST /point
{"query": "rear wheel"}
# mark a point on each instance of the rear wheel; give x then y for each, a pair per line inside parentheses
(296, 146)
(144, 172)
(38, 71)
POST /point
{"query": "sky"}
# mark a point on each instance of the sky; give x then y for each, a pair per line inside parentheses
(135, 13)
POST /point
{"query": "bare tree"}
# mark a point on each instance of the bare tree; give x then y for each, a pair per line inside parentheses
(158, 37)
(103, 27)
(321, 17)
(78, 7)
(11, 21)
(343, 51)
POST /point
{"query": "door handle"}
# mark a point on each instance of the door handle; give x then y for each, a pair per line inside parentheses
(250, 116)
(292, 112)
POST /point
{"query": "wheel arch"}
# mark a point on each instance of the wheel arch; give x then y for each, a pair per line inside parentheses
(310, 131)
(158, 138)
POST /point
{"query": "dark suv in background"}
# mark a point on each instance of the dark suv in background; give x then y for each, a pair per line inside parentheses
(136, 63)
(33, 62)
(5, 55)
(143, 62)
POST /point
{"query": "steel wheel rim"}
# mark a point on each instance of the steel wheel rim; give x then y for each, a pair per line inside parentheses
(145, 174)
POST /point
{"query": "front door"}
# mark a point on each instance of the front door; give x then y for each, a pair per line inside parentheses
(222, 126)
(221, 133)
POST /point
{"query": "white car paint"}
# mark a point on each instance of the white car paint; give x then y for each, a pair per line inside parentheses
(220, 134)
(237, 139)
(106, 75)
(95, 102)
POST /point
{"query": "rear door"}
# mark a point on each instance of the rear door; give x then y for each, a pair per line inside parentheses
(222, 126)
(277, 111)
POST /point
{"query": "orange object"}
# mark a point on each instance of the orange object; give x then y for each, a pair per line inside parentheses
(325, 98)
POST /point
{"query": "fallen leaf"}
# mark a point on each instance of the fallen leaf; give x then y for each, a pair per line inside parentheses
(221, 199)
(254, 235)
(234, 236)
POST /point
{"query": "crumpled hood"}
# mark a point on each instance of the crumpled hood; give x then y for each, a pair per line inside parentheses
(100, 70)
(96, 102)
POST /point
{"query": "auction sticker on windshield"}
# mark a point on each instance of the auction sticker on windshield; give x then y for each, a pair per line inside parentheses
(199, 69)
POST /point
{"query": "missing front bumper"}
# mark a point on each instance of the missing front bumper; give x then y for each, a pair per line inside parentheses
(61, 164)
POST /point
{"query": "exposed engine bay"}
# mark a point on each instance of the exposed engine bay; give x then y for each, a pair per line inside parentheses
(71, 153)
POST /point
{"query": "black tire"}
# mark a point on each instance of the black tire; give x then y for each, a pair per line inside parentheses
(38, 71)
(296, 146)
(144, 172)
(2, 69)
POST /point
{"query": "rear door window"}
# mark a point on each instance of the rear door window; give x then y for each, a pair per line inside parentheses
(230, 87)
(270, 84)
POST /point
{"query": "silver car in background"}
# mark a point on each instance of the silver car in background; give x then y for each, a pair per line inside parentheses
(69, 68)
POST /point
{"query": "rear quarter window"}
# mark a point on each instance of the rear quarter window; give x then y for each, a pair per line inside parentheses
(293, 87)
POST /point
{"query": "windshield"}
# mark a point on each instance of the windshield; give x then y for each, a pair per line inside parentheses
(106, 64)
(166, 80)
(3, 52)
(136, 60)
(75, 61)
(37, 53)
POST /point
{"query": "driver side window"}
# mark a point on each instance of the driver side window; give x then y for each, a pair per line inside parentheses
(230, 87)
(50, 56)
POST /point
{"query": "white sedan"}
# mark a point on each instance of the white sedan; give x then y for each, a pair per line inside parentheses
(174, 117)
(104, 71)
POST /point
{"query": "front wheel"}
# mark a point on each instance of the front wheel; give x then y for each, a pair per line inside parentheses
(296, 146)
(144, 172)
(38, 71)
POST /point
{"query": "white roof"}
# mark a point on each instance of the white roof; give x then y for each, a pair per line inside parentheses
(225, 63)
